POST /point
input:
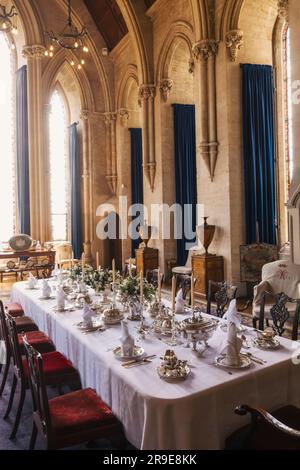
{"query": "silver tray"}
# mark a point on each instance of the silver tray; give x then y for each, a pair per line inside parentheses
(138, 352)
(267, 345)
(245, 362)
(20, 242)
(178, 373)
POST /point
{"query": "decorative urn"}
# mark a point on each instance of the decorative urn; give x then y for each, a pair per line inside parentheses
(206, 234)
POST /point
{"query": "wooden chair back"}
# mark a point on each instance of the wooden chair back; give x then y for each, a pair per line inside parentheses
(221, 293)
(279, 312)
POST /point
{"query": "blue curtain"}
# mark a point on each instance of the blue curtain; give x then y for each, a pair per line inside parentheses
(22, 166)
(137, 181)
(259, 152)
(185, 175)
(76, 214)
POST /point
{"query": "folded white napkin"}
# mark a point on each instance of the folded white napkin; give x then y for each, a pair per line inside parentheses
(60, 298)
(87, 315)
(46, 289)
(232, 315)
(179, 304)
(232, 347)
(127, 341)
(32, 281)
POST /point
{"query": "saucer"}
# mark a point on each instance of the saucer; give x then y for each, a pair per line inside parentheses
(138, 352)
(97, 326)
(178, 373)
(47, 298)
(245, 362)
(267, 345)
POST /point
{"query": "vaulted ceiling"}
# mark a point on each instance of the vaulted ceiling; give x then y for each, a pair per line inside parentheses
(109, 19)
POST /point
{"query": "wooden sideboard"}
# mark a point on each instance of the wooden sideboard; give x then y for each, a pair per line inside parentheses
(41, 262)
(206, 268)
(146, 259)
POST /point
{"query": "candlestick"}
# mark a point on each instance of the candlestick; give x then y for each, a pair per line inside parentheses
(141, 287)
(192, 291)
(159, 278)
(97, 260)
(173, 292)
(114, 270)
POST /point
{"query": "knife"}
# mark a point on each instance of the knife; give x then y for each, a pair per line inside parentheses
(134, 361)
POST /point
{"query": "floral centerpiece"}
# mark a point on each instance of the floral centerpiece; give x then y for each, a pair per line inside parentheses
(130, 289)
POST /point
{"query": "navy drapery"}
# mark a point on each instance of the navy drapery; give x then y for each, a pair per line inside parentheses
(76, 215)
(259, 152)
(185, 175)
(137, 189)
(22, 166)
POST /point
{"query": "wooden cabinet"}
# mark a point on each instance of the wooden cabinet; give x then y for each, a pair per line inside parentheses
(207, 268)
(146, 259)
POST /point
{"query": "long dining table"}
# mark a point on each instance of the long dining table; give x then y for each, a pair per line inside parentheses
(197, 413)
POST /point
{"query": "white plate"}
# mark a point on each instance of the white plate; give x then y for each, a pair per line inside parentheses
(267, 345)
(240, 329)
(137, 353)
(97, 326)
(245, 362)
(47, 298)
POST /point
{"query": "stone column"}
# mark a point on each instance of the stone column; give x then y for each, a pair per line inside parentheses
(111, 176)
(84, 116)
(146, 100)
(205, 52)
(294, 203)
(46, 214)
(38, 197)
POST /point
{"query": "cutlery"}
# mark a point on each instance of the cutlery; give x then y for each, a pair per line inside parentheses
(140, 363)
(135, 361)
(256, 359)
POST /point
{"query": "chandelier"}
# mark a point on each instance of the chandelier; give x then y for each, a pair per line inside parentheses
(8, 19)
(69, 38)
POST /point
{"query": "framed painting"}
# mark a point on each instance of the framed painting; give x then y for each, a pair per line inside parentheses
(253, 258)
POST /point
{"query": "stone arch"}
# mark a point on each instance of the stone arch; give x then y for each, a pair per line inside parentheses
(181, 30)
(201, 17)
(31, 22)
(230, 18)
(130, 76)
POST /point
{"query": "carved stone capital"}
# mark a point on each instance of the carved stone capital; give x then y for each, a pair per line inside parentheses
(109, 118)
(146, 92)
(205, 49)
(35, 51)
(283, 8)
(124, 117)
(165, 88)
(84, 114)
(234, 41)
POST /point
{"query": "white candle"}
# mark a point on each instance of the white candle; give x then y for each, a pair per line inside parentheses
(130, 268)
(173, 292)
(114, 270)
(97, 260)
(192, 291)
(159, 277)
(72, 260)
(83, 261)
(141, 286)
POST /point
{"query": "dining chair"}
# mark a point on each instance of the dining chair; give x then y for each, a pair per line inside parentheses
(22, 324)
(221, 293)
(152, 277)
(59, 371)
(71, 419)
(277, 307)
(279, 430)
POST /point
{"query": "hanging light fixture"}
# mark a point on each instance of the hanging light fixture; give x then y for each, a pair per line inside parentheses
(69, 38)
(8, 19)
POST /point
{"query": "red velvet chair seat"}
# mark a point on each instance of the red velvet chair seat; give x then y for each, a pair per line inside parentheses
(37, 340)
(25, 324)
(55, 365)
(79, 411)
(15, 309)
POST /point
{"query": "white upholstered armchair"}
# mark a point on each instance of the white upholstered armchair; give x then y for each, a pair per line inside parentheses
(277, 277)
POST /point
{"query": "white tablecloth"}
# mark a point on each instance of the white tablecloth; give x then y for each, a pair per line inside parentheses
(195, 414)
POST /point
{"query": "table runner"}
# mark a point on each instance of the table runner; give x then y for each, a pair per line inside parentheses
(195, 414)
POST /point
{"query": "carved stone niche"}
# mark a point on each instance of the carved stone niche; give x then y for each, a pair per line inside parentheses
(234, 42)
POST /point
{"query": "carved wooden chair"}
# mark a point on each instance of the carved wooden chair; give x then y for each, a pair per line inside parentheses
(59, 371)
(279, 430)
(152, 278)
(221, 293)
(70, 419)
(279, 307)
